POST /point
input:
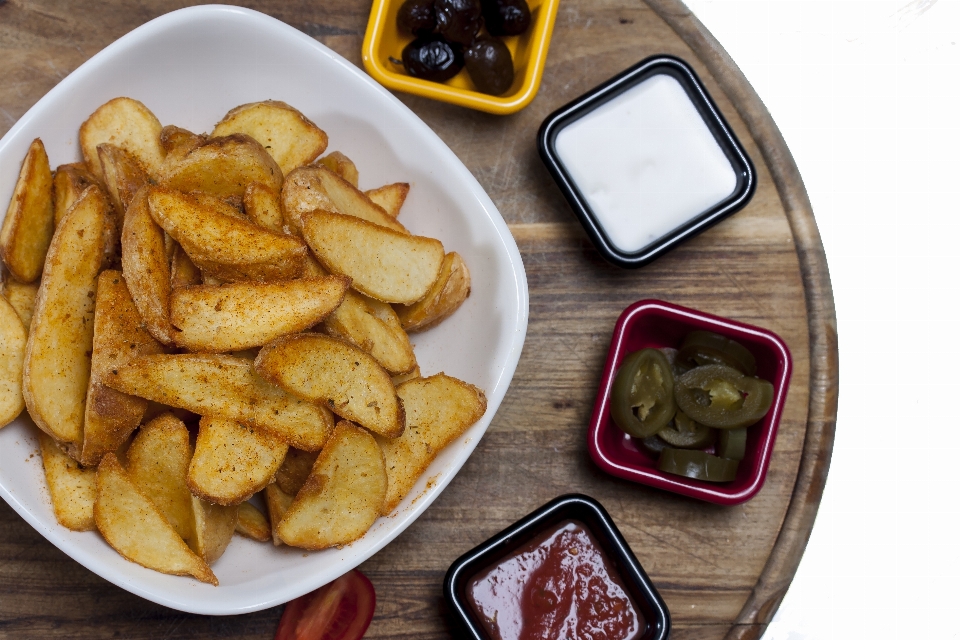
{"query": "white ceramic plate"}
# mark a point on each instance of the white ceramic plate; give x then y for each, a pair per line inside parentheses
(190, 67)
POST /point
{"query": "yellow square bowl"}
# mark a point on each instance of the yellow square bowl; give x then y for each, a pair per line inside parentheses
(529, 51)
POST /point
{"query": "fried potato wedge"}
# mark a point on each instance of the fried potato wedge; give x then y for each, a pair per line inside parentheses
(343, 496)
(384, 264)
(73, 489)
(133, 526)
(374, 327)
(69, 182)
(123, 175)
(145, 268)
(232, 462)
(125, 123)
(13, 345)
(403, 377)
(444, 297)
(22, 297)
(277, 504)
(118, 337)
(262, 204)
(250, 314)
(226, 247)
(177, 142)
(330, 371)
(439, 409)
(302, 194)
(342, 166)
(295, 469)
(28, 227)
(56, 366)
(228, 388)
(290, 138)
(213, 527)
(222, 167)
(390, 197)
(252, 524)
(157, 463)
(183, 273)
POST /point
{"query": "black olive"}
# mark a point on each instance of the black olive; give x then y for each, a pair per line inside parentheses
(506, 17)
(417, 17)
(458, 20)
(490, 66)
(432, 58)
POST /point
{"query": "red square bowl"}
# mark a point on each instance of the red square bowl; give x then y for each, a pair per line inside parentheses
(657, 324)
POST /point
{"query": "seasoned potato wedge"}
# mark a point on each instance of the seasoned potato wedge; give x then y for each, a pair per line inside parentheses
(146, 269)
(290, 138)
(323, 369)
(439, 409)
(277, 504)
(262, 204)
(118, 337)
(56, 367)
(249, 314)
(13, 344)
(403, 377)
(302, 194)
(69, 182)
(226, 247)
(183, 273)
(252, 524)
(213, 527)
(374, 327)
(342, 166)
(295, 469)
(390, 197)
(444, 297)
(133, 526)
(343, 495)
(73, 489)
(222, 167)
(123, 176)
(22, 297)
(128, 124)
(384, 264)
(157, 462)
(228, 388)
(177, 142)
(232, 462)
(28, 227)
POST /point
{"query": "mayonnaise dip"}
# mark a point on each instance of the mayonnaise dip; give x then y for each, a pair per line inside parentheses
(645, 162)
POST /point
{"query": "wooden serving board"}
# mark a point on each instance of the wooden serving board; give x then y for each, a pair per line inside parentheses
(722, 570)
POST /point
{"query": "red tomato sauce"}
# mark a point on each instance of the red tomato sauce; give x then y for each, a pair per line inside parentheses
(557, 587)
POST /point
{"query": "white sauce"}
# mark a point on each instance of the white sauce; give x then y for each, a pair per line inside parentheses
(646, 162)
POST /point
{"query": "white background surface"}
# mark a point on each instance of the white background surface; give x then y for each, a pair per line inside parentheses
(867, 95)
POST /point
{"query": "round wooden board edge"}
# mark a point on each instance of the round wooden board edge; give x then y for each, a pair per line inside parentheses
(785, 556)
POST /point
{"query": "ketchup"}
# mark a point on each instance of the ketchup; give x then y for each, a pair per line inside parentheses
(557, 587)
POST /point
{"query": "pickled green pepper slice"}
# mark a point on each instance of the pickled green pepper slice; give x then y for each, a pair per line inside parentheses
(684, 433)
(699, 465)
(733, 443)
(642, 399)
(706, 347)
(719, 396)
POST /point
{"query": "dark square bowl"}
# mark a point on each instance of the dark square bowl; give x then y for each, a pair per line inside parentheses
(597, 521)
(657, 324)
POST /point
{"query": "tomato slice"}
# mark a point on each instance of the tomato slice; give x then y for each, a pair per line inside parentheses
(341, 610)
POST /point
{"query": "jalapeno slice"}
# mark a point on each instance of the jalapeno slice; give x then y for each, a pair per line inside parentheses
(642, 399)
(732, 444)
(706, 347)
(698, 465)
(719, 396)
(685, 433)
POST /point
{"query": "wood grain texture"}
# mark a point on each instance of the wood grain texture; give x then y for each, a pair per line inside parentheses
(722, 570)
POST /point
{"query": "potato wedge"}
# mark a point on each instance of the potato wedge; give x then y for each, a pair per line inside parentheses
(73, 489)
(69, 182)
(349, 381)
(342, 166)
(183, 273)
(178, 142)
(262, 204)
(277, 504)
(123, 175)
(28, 227)
(146, 269)
(403, 377)
(290, 138)
(343, 496)
(250, 314)
(232, 462)
(222, 167)
(384, 264)
(157, 462)
(118, 337)
(390, 197)
(13, 345)
(302, 194)
(213, 527)
(228, 388)
(128, 124)
(444, 297)
(56, 366)
(22, 297)
(224, 246)
(374, 327)
(252, 524)
(439, 409)
(295, 469)
(133, 526)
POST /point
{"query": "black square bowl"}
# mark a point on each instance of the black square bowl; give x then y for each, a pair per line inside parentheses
(746, 180)
(597, 521)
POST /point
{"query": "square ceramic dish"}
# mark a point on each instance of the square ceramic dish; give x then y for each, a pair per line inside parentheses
(529, 51)
(675, 155)
(190, 67)
(580, 509)
(657, 324)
